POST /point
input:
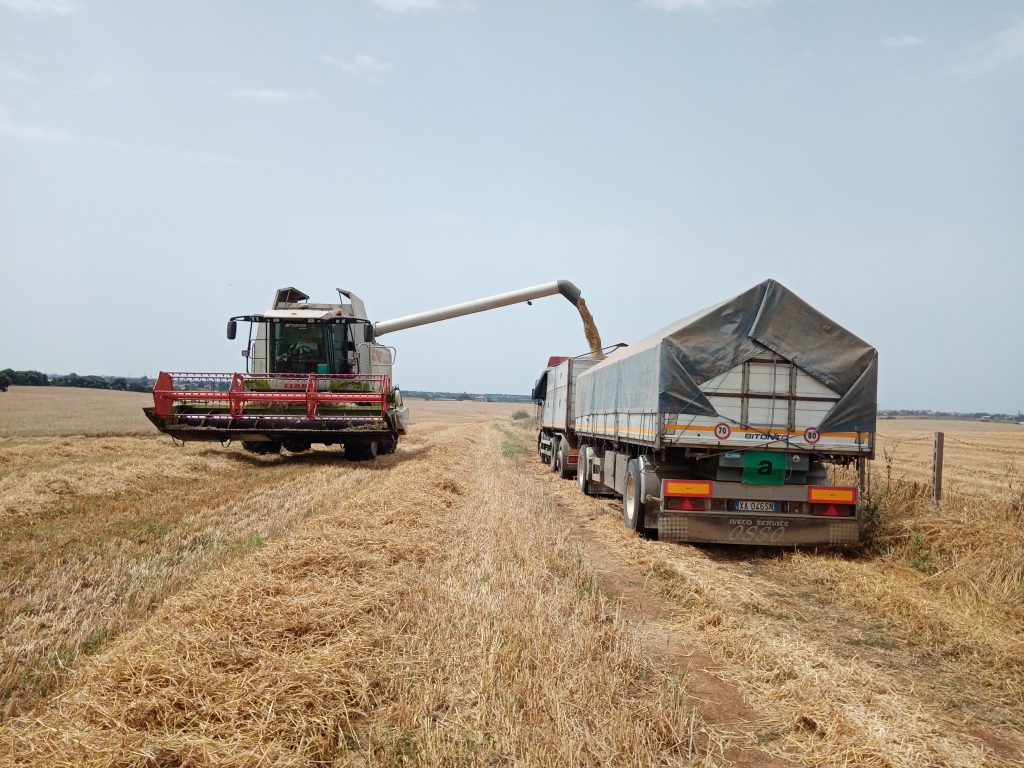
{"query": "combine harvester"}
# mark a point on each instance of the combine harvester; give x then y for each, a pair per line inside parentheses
(316, 374)
(721, 427)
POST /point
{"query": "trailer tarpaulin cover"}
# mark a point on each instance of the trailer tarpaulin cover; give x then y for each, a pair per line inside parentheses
(664, 372)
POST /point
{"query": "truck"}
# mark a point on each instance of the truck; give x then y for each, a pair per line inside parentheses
(749, 422)
(315, 374)
(554, 394)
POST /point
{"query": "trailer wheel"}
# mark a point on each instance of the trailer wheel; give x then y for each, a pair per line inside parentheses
(632, 501)
(583, 471)
(556, 443)
(564, 470)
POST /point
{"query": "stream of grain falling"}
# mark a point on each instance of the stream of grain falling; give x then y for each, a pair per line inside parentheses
(590, 329)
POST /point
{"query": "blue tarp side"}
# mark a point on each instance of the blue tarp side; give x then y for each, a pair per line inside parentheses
(664, 372)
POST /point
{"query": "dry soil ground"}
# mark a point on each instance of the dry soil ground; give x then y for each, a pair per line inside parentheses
(457, 604)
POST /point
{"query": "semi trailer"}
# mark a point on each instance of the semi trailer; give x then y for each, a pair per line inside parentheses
(315, 374)
(728, 426)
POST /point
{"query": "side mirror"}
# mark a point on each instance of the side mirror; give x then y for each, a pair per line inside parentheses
(232, 329)
(367, 332)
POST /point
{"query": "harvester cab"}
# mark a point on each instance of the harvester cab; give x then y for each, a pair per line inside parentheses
(315, 374)
(303, 338)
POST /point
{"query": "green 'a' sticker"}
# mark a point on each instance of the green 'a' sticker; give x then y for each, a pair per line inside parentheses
(764, 468)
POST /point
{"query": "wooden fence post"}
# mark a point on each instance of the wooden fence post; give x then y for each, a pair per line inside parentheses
(937, 467)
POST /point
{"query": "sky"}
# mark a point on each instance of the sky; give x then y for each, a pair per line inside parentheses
(164, 166)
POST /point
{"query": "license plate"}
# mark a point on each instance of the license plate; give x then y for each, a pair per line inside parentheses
(754, 506)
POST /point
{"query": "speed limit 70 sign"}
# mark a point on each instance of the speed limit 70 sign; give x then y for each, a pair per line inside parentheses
(722, 430)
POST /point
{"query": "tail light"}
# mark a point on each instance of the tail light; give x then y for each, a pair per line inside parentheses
(685, 504)
(832, 510)
(686, 495)
(832, 501)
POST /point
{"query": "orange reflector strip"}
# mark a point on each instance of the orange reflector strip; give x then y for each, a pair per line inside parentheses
(695, 488)
(825, 493)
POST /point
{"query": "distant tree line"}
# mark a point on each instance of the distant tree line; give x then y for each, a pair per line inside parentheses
(905, 413)
(10, 377)
(490, 397)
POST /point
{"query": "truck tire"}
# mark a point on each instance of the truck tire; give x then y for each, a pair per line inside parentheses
(556, 443)
(564, 470)
(632, 500)
(583, 471)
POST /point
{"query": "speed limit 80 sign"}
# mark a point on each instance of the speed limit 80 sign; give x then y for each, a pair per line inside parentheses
(811, 435)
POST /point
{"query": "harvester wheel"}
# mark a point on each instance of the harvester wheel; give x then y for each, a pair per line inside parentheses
(632, 501)
(361, 451)
(556, 443)
(386, 446)
(583, 471)
(261, 447)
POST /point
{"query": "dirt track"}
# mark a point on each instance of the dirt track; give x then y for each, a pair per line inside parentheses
(455, 603)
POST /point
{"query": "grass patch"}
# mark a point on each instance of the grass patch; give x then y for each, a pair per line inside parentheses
(512, 450)
(920, 558)
(251, 543)
(95, 640)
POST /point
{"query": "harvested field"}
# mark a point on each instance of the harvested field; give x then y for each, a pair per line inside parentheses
(977, 455)
(46, 411)
(456, 603)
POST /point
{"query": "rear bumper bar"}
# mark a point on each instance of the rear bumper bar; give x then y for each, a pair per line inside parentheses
(758, 529)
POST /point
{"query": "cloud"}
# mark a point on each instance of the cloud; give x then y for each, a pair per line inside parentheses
(42, 7)
(416, 6)
(35, 133)
(273, 94)
(703, 5)
(14, 75)
(902, 41)
(1005, 47)
(208, 158)
(360, 63)
(38, 134)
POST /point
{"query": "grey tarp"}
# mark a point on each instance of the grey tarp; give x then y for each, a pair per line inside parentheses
(663, 373)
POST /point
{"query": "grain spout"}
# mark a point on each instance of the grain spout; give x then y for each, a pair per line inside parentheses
(590, 329)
